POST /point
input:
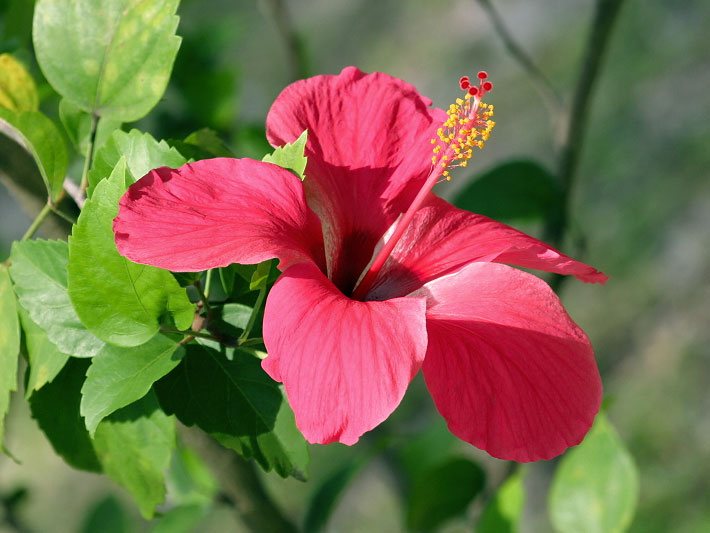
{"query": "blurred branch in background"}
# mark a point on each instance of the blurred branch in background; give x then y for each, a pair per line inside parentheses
(606, 14)
(295, 47)
(544, 86)
(570, 127)
(241, 486)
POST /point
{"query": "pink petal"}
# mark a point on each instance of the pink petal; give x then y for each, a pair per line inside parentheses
(368, 154)
(442, 238)
(216, 212)
(344, 364)
(508, 369)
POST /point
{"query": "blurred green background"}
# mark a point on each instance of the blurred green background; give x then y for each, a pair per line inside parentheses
(641, 208)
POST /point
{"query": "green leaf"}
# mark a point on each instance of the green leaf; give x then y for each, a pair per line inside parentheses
(237, 315)
(238, 404)
(39, 270)
(77, 124)
(142, 152)
(120, 376)
(111, 58)
(596, 484)
(504, 511)
(326, 497)
(443, 492)
(189, 480)
(18, 22)
(119, 301)
(425, 450)
(291, 156)
(56, 409)
(513, 191)
(208, 141)
(183, 519)
(46, 361)
(39, 137)
(9, 345)
(18, 91)
(261, 276)
(107, 516)
(134, 446)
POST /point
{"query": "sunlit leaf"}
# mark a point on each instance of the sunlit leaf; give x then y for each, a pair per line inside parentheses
(238, 404)
(512, 192)
(505, 510)
(39, 270)
(444, 492)
(290, 156)
(134, 446)
(120, 376)
(9, 345)
(141, 151)
(18, 91)
(38, 135)
(56, 409)
(119, 301)
(111, 58)
(596, 484)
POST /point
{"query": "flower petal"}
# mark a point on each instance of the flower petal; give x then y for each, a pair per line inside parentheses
(216, 212)
(508, 369)
(368, 154)
(345, 364)
(442, 238)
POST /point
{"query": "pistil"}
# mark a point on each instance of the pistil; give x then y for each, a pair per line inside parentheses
(468, 126)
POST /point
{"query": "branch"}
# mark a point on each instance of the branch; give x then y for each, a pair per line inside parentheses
(74, 192)
(606, 13)
(240, 484)
(296, 56)
(540, 81)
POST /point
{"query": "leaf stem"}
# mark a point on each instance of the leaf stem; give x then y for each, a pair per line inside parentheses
(37, 222)
(188, 333)
(254, 313)
(203, 293)
(62, 214)
(208, 282)
(89, 157)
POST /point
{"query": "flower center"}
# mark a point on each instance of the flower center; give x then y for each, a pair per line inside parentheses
(468, 126)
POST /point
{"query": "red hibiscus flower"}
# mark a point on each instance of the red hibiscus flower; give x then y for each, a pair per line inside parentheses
(368, 296)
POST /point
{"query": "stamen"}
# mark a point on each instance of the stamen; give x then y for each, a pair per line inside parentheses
(468, 126)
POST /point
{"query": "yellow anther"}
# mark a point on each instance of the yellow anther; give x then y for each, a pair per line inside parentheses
(467, 126)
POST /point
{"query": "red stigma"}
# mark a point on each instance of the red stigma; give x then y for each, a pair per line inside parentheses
(478, 90)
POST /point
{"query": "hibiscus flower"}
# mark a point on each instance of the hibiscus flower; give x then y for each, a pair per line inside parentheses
(379, 277)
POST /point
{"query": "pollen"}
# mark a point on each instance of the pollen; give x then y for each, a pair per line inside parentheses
(468, 126)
